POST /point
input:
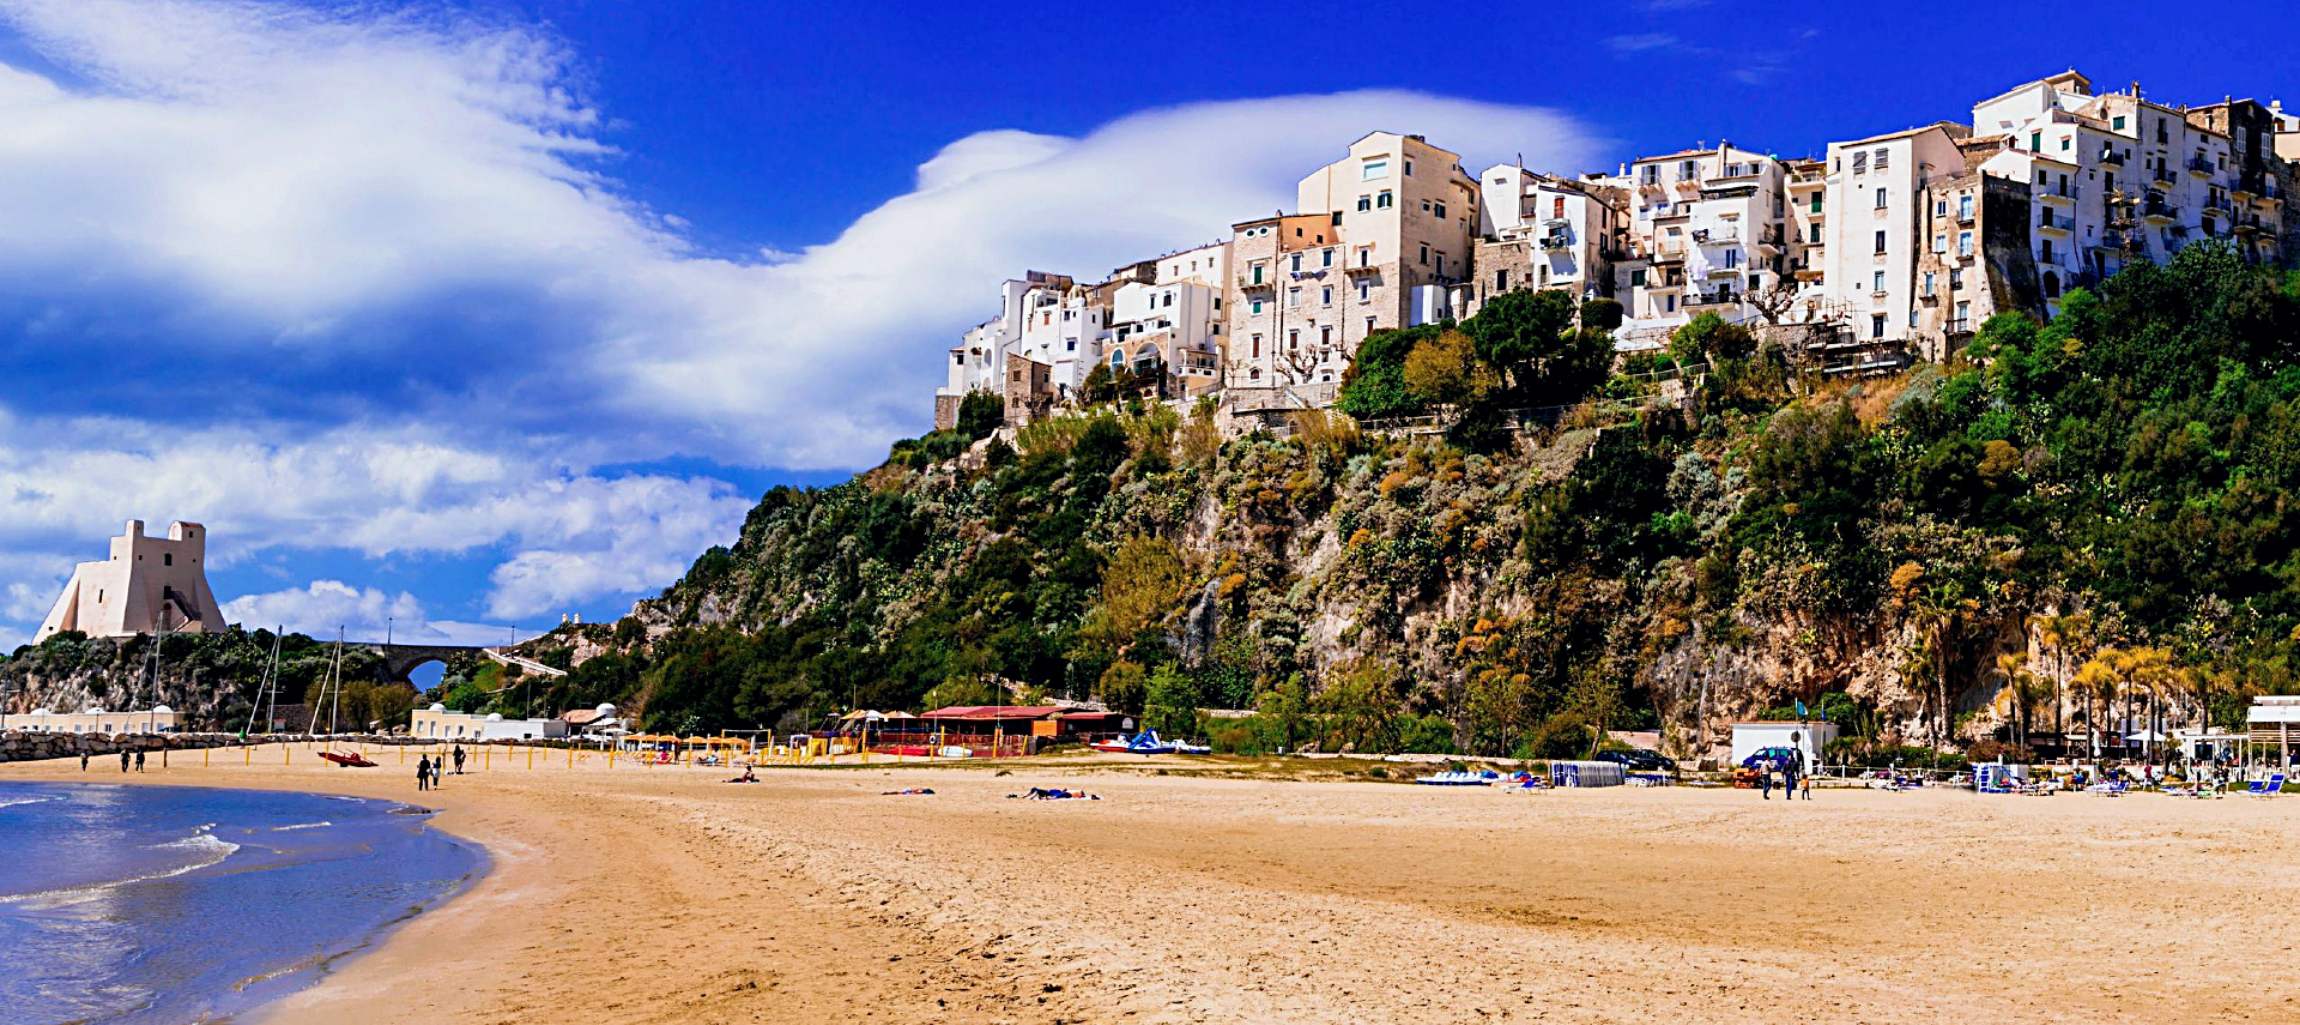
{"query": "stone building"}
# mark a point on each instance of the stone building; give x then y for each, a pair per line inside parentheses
(1705, 232)
(1543, 232)
(148, 585)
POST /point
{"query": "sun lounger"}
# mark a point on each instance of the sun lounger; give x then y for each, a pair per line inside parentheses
(2269, 787)
(1458, 779)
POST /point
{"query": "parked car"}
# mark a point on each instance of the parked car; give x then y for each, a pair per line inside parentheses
(1640, 761)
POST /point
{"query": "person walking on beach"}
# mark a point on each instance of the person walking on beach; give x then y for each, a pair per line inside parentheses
(1765, 780)
(139, 759)
(123, 761)
(423, 773)
(83, 761)
(459, 759)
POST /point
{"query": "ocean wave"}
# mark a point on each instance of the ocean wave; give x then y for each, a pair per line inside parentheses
(11, 802)
(208, 848)
(303, 825)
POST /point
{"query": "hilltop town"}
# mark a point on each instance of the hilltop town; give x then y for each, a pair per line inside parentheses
(1890, 248)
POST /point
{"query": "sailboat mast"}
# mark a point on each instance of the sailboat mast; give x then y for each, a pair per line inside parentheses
(335, 676)
(267, 689)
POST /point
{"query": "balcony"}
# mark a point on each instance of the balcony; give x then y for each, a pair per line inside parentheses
(1722, 271)
(2049, 221)
(2161, 176)
(1721, 297)
(2061, 194)
(1958, 326)
(2109, 157)
(1553, 243)
(2201, 167)
(2163, 213)
(1727, 237)
(1253, 283)
(1361, 270)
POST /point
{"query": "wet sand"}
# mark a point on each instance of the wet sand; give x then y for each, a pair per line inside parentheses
(661, 895)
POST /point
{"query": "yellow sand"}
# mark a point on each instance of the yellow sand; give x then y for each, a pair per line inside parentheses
(663, 896)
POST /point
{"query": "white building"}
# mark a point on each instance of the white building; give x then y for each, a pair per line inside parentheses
(437, 723)
(1876, 211)
(1810, 738)
(157, 719)
(1544, 232)
(1705, 231)
(148, 585)
(1041, 317)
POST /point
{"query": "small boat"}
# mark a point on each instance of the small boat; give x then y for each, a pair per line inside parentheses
(348, 760)
(1144, 743)
(1459, 779)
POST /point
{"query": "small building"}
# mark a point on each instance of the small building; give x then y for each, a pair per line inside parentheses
(157, 719)
(1022, 720)
(1812, 738)
(148, 585)
(602, 720)
(2274, 723)
(437, 723)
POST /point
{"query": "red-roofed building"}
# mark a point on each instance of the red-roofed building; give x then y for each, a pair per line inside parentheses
(1014, 720)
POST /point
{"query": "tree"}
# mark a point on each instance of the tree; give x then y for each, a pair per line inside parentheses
(2058, 634)
(1170, 701)
(2021, 693)
(1710, 337)
(980, 414)
(1141, 585)
(1517, 333)
(1447, 371)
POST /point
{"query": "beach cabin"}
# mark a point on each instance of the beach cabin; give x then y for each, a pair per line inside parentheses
(1811, 738)
(1021, 721)
(2274, 725)
(156, 719)
(437, 723)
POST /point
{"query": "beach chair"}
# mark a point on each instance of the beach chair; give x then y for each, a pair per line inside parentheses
(2269, 787)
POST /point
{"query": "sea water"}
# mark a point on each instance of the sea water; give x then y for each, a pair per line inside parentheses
(164, 905)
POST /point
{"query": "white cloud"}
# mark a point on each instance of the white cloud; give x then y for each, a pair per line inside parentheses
(363, 614)
(1641, 42)
(361, 278)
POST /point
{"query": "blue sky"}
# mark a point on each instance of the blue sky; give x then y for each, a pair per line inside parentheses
(467, 316)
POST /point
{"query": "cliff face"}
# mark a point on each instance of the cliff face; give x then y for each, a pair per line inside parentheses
(1557, 584)
(209, 678)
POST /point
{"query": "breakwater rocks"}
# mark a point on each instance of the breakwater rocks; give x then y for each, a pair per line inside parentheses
(28, 747)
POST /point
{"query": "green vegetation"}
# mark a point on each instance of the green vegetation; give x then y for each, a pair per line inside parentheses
(2112, 492)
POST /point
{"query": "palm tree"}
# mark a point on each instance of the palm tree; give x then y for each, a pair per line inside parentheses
(1938, 610)
(2021, 694)
(2060, 633)
(2097, 678)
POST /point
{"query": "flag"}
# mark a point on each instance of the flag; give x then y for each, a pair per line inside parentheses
(1800, 709)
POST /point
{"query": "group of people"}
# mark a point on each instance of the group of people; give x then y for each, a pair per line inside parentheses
(137, 756)
(427, 771)
(1793, 778)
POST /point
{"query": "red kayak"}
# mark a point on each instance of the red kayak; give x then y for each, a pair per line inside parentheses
(348, 761)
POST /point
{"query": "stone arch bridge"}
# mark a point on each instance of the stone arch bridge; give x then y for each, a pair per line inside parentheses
(399, 660)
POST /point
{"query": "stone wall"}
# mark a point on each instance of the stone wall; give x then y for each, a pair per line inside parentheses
(32, 747)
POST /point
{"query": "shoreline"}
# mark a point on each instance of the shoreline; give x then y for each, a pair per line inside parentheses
(664, 896)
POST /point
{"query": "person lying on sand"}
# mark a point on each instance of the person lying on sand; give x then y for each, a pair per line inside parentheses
(908, 792)
(1045, 794)
(750, 775)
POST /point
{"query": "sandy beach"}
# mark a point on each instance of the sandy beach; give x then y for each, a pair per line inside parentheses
(661, 895)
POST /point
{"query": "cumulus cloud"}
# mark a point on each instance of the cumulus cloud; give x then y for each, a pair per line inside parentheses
(363, 614)
(361, 277)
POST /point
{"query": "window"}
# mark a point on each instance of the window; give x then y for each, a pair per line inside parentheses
(1877, 325)
(1337, 219)
(1425, 254)
(1956, 278)
(1294, 340)
(1374, 170)
(2064, 142)
(1257, 346)
(1369, 325)
(1257, 272)
(1650, 174)
(1940, 243)
(1882, 202)
(1928, 283)
(1877, 282)
(1169, 300)
(1816, 202)
(1441, 211)
(2047, 250)
(1732, 258)
(1294, 296)
(1669, 301)
(1326, 257)
(1882, 156)
(167, 558)
(1880, 243)
(1326, 337)
(1965, 207)
(1637, 278)
(1861, 162)
(1382, 199)
(1441, 265)
(1409, 168)
(2117, 123)
(1257, 307)
(1297, 263)
(1326, 296)
(1365, 203)
(1687, 170)
(1501, 281)
(1365, 291)
(1964, 243)
(1557, 207)
(1816, 233)
(2036, 142)
(1964, 312)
